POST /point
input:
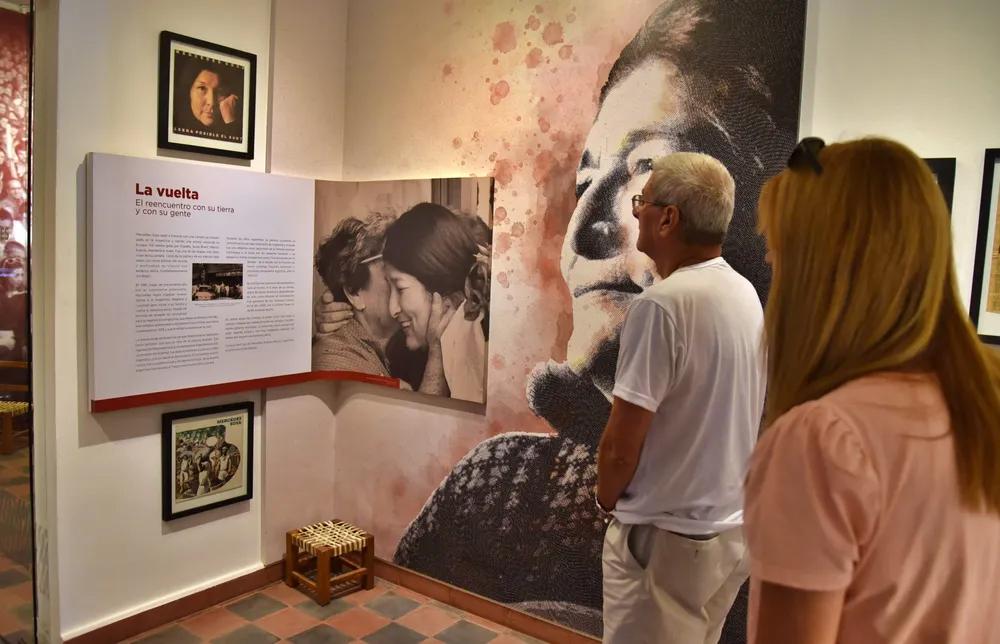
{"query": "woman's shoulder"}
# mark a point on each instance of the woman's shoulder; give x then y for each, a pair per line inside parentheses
(891, 403)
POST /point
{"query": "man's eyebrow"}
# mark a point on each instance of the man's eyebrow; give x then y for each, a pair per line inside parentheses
(587, 160)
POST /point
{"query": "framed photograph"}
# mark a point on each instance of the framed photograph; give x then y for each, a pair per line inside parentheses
(207, 97)
(944, 172)
(985, 305)
(207, 458)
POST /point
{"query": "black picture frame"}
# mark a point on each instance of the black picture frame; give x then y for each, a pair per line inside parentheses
(235, 74)
(200, 426)
(984, 261)
(944, 171)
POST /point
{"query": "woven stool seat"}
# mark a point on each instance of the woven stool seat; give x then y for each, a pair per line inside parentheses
(338, 537)
(14, 407)
(13, 433)
(323, 546)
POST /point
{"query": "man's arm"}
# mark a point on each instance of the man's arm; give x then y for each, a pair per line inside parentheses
(618, 453)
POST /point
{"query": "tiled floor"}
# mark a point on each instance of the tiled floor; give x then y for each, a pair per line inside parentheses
(388, 614)
(16, 608)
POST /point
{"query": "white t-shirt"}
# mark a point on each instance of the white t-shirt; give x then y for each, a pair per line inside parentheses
(691, 353)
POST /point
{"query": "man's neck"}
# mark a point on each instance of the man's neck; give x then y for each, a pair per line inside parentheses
(689, 256)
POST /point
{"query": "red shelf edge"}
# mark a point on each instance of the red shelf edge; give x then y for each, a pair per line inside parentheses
(190, 393)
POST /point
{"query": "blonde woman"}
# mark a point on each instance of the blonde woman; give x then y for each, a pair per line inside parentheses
(873, 497)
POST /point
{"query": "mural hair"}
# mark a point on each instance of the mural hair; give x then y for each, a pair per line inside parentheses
(739, 104)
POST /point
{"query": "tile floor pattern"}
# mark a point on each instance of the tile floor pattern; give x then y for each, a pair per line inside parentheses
(16, 593)
(387, 614)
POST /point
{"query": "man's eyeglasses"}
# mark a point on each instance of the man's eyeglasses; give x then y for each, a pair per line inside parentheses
(638, 202)
(806, 155)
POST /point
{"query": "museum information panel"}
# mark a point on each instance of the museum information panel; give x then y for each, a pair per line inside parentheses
(199, 275)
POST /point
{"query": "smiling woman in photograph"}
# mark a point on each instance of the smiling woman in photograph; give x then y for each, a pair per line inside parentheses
(437, 264)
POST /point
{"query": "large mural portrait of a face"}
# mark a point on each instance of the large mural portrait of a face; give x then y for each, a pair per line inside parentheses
(515, 520)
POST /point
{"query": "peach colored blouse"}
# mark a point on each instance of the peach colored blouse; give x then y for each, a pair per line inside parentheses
(858, 491)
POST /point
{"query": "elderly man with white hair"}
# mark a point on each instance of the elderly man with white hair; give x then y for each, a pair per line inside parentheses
(688, 397)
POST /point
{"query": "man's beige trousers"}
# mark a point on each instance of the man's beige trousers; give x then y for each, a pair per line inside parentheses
(665, 588)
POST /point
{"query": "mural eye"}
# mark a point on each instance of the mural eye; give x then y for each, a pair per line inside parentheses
(642, 166)
(581, 187)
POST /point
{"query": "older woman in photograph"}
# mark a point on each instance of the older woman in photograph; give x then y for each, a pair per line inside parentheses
(350, 264)
(437, 264)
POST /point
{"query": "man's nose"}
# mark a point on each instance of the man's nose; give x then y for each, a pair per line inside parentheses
(596, 226)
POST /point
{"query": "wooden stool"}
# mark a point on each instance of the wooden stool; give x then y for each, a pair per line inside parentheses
(319, 547)
(9, 410)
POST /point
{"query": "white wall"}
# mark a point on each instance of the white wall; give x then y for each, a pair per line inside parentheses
(310, 69)
(110, 552)
(920, 71)
(297, 485)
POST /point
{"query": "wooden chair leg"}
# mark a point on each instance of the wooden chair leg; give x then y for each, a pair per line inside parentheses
(368, 561)
(291, 560)
(323, 578)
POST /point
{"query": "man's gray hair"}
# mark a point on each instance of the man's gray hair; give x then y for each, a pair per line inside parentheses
(701, 188)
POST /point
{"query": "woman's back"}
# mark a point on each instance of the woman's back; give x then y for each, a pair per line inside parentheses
(858, 490)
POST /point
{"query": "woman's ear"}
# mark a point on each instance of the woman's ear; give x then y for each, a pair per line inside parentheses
(355, 300)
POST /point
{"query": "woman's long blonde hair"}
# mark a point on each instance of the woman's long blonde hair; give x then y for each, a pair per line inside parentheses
(864, 281)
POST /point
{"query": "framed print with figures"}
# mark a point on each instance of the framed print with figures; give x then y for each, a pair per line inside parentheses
(207, 458)
(985, 306)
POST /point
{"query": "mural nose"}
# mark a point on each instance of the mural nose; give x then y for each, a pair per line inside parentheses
(597, 231)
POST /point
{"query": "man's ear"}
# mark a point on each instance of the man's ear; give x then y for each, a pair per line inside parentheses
(356, 301)
(669, 220)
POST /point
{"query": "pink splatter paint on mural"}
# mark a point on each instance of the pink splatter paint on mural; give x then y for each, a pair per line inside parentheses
(447, 70)
(501, 244)
(499, 91)
(503, 280)
(553, 34)
(497, 361)
(543, 166)
(503, 171)
(456, 142)
(566, 52)
(493, 157)
(534, 58)
(448, 8)
(499, 214)
(571, 17)
(539, 8)
(517, 230)
(496, 61)
(543, 124)
(504, 37)
(533, 23)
